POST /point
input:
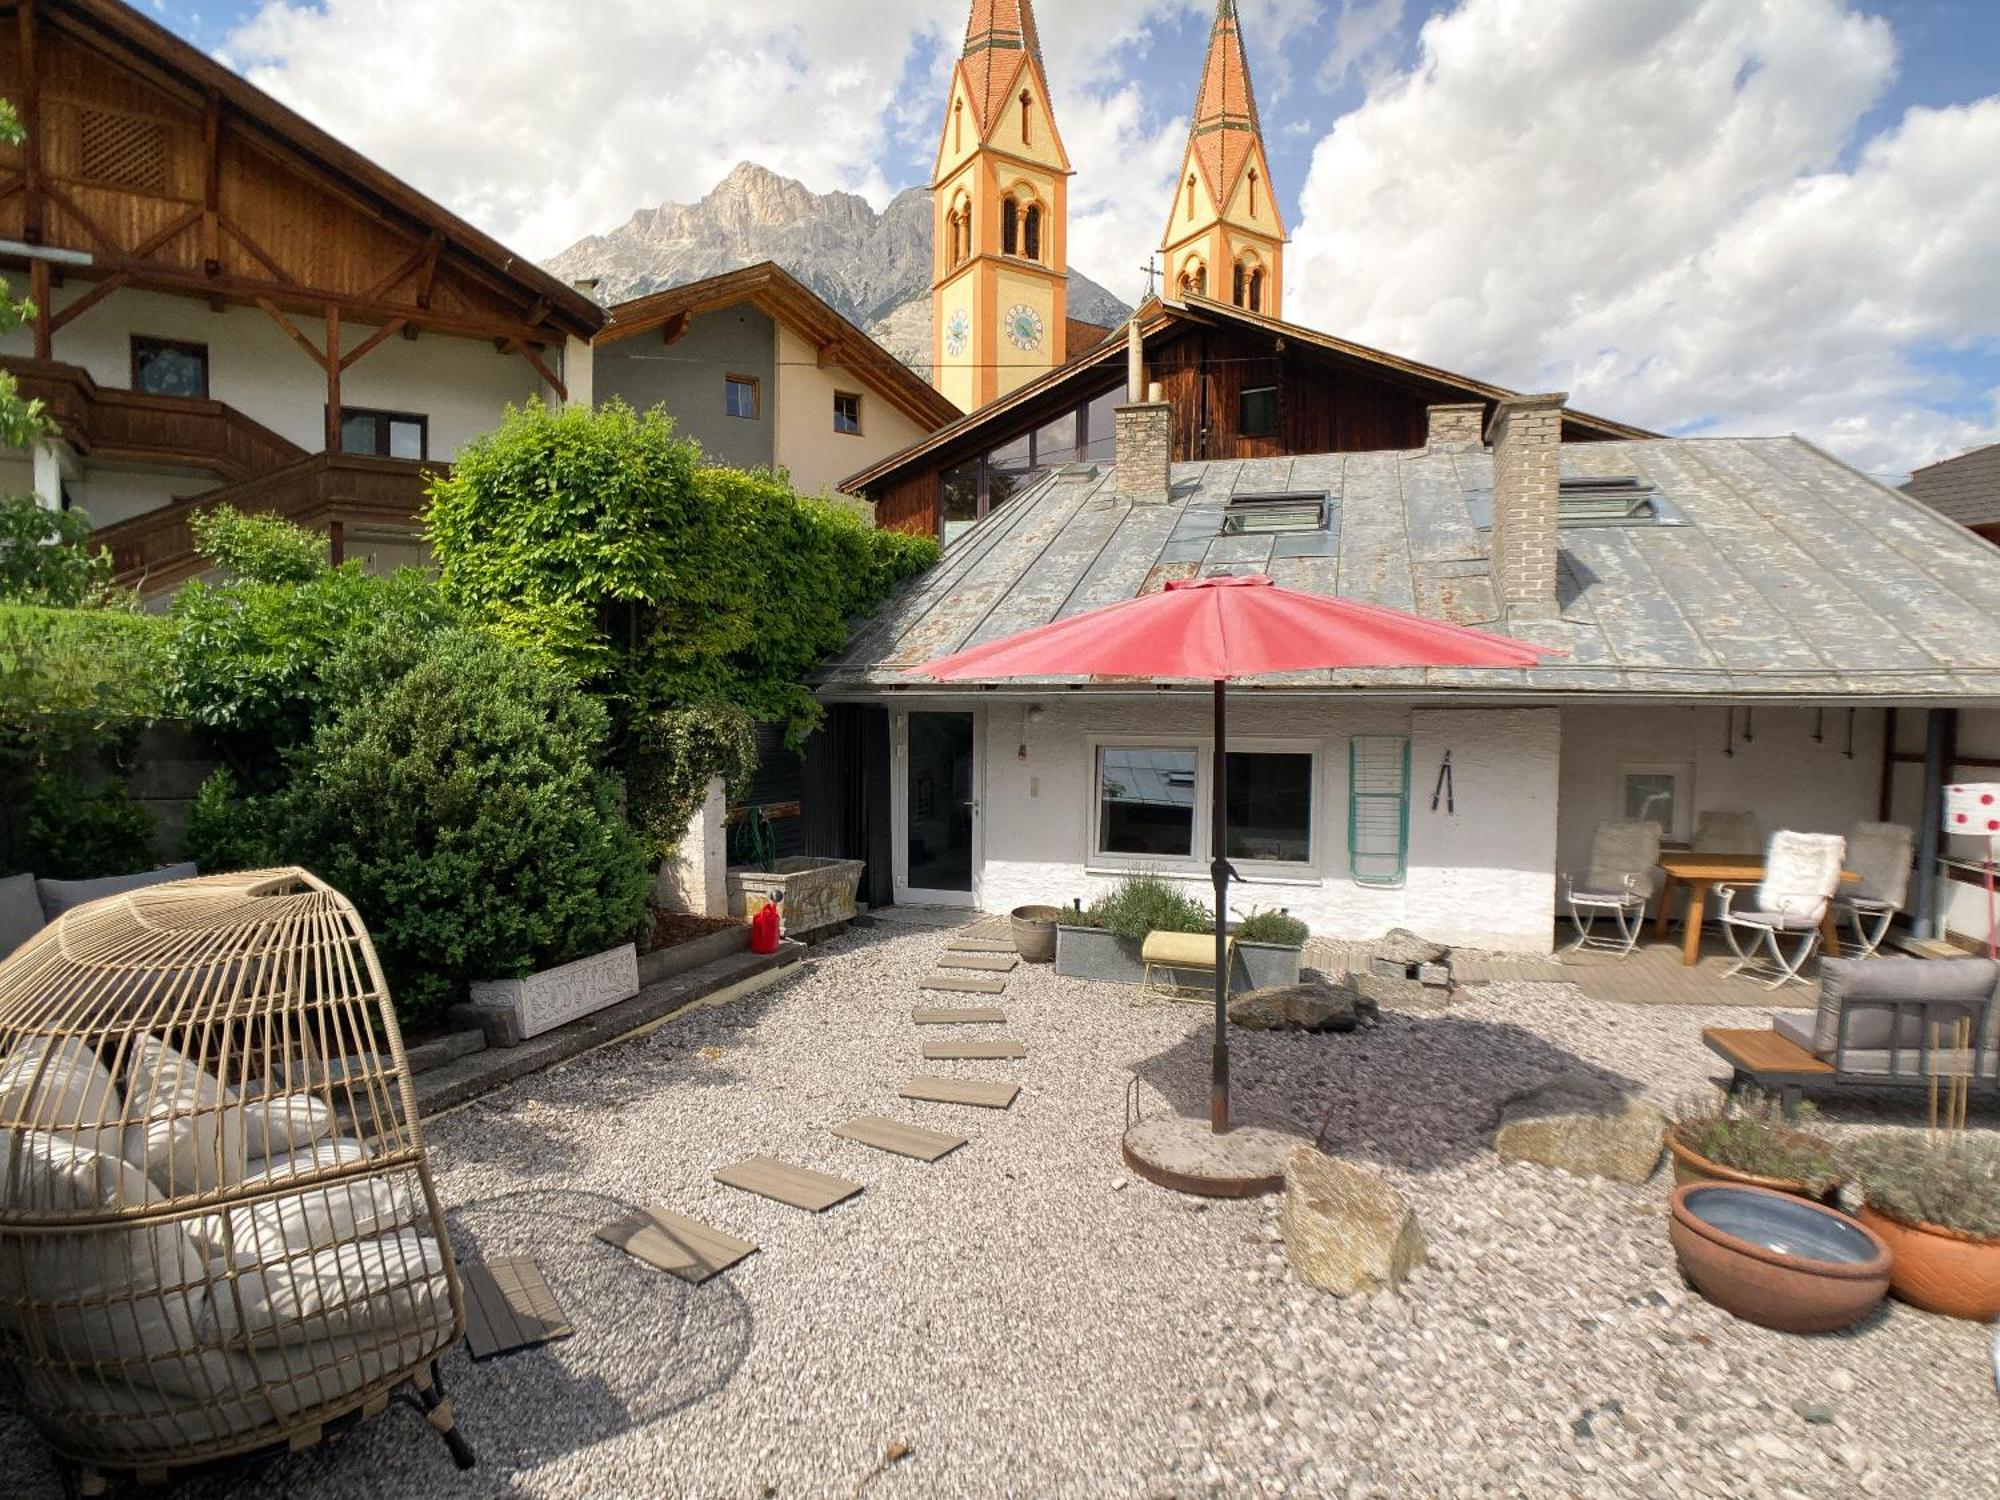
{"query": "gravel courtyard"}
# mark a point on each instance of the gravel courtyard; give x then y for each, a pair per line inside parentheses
(1025, 1318)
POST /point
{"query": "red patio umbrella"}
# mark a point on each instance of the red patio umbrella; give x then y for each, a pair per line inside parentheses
(1216, 630)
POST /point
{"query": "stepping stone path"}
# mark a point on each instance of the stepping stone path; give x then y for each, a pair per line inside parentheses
(675, 1243)
(1004, 1047)
(904, 1140)
(991, 963)
(969, 984)
(801, 1187)
(971, 1015)
(961, 1091)
(978, 945)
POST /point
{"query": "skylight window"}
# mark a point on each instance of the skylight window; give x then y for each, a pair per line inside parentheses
(1262, 514)
(1624, 501)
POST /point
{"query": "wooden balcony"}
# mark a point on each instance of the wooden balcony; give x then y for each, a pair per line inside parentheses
(112, 425)
(330, 492)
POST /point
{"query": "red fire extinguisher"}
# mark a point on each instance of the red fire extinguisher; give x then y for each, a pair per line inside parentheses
(764, 929)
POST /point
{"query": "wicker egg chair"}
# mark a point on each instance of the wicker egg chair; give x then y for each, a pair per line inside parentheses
(218, 1232)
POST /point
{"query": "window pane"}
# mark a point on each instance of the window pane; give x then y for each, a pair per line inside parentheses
(406, 439)
(1003, 485)
(1270, 807)
(1650, 795)
(358, 432)
(1257, 413)
(1056, 443)
(847, 414)
(740, 398)
(1012, 454)
(1103, 421)
(961, 499)
(167, 370)
(1145, 801)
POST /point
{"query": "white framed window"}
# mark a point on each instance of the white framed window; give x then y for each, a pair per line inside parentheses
(1151, 806)
(1662, 792)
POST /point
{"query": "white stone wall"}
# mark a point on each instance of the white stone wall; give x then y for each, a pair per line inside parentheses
(1482, 876)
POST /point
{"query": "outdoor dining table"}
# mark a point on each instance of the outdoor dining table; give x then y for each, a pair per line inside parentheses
(1700, 872)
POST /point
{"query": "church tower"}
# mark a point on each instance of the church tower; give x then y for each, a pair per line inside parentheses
(999, 215)
(1225, 238)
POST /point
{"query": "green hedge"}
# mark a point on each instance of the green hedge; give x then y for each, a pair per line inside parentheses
(70, 675)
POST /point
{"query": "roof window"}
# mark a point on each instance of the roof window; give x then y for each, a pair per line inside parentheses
(1259, 514)
(1622, 501)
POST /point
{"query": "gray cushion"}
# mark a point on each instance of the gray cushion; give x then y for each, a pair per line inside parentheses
(1619, 897)
(1783, 921)
(1959, 987)
(1794, 1026)
(20, 912)
(58, 896)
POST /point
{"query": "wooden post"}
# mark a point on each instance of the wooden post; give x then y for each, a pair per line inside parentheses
(32, 227)
(38, 291)
(1885, 802)
(211, 192)
(336, 542)
(332, 378)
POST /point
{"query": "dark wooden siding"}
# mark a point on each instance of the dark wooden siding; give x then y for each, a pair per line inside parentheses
(910, 505)
(846, 793)
(777, 788)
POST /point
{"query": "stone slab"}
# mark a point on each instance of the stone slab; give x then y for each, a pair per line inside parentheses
(676, 1244)
(1003, 1047)
(979, 945)
(801, 1187)
(903, 1140)
(962, 1091)
(963, 1015)
(965, 984)
(991, 963)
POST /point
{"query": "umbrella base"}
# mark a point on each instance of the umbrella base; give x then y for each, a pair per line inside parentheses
(1188, 1157)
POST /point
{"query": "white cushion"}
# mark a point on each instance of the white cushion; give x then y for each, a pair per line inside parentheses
(1801, 871)
(274, 1128)
(50, 1084)
(186, 1138)
(216, 1233)
(393, 1282)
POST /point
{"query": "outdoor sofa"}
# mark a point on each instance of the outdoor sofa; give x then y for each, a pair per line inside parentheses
(1873, 1030)
(29, 903)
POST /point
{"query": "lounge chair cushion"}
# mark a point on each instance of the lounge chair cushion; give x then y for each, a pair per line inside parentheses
(20, 912)
(1618, 849)
(189, 1135)
(1965, 985)
(1780, 921)
(1801, 872)
(314, 1218)
(58, 896)
(1608, 896)
(61, 1085)
(392, 1282)
(1880, 854)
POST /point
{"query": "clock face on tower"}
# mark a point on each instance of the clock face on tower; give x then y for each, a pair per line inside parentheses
(1024, 327)
(957, 333)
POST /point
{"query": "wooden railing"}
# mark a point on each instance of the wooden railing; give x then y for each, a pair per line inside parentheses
(155, 551)
(135, 427)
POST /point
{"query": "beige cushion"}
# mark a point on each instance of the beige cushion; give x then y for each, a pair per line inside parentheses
(52, 1084)
(1618, 849)
(217, 1233)
(187, 1137)
(1181, 950)
(395, 1281)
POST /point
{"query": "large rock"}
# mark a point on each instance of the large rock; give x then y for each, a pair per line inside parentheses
(1311, 1005)
(1399, 994)
(1346, 1230)
(1580, 1124)
(1399, 945)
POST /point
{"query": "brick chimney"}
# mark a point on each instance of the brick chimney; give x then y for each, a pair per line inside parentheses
(1145, 450)
(1456, 429)
(1526, 434)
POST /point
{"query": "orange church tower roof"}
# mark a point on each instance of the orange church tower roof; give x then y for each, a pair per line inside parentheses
(1226, 129)
(997, 35)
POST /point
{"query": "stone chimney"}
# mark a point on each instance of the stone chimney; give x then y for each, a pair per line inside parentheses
(1526, 434)
(1456, 429)
(1145, 450)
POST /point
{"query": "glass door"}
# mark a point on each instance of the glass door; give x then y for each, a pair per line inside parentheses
(937, 805)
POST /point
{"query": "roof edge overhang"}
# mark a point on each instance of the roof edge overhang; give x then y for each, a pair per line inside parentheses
(864, 692)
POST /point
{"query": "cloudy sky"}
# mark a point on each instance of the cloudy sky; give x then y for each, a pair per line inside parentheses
(1699, 215)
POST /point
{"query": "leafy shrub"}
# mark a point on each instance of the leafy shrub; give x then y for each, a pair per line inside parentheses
(458, 804)
(1145, 903)
(1954, 1184)
(72, 677)
(1272, 927)
(45, 557)
(672, 755)
(227, 831)
(1751, 1133)
(76, 832)
(259, 549)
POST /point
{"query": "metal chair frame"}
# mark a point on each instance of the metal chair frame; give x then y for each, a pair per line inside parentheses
(1871, 919)
(1628, 915)
(1788, 968)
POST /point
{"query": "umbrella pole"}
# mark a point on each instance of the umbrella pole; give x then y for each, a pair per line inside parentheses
(1218, 1097)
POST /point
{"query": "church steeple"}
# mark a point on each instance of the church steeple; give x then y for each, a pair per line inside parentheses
(1226, 236)
(999, 214)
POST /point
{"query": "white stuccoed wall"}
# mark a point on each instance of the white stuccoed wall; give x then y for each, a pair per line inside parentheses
(1482, 877)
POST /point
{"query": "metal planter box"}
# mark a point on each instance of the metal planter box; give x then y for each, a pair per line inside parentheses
(553, 997)
(811, 893)
(1092, 953)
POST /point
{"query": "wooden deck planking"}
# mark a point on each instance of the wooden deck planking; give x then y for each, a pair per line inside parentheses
(904, 1140)
(674, 1243)
(962, 1091)
(1003, 1047)
(508, 1306)
(978, 945)
(800, 1187)
(991, 963)
(966, 984)
(964, 1015)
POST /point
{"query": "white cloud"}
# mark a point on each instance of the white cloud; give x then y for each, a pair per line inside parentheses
(1365, 36)
(1654, 207)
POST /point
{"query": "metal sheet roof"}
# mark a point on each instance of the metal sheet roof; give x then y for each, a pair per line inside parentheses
(1785, 574)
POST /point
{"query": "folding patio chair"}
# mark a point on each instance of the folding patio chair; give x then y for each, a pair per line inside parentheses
(1621, 878)
(1801, 873)
(1880, 853)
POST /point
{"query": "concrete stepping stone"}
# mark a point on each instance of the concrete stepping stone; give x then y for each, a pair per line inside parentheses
(674, 1243)
(992, 963)
(962, 1091)
(970, 984)
(801, 1187)
(895, 1136)
(1002, 1047)
(964, 1015)
(978, 945)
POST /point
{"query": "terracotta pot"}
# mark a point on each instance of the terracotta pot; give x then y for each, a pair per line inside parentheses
(1940, 1270)
(1690, 1166)
(1776, 1259)
(1035, 932)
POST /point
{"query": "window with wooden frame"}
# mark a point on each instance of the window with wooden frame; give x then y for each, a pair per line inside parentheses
(169, 367)
(1257, 411)
(1010, 227)
(740, 397)
(384, 434)
(847, 413)
(1242, 281)
(1256, 302)
(1031, 232)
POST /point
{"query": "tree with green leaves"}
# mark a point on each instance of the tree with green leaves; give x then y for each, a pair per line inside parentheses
(21, 421)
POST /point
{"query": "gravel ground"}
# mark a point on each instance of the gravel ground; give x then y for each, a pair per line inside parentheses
(1025, 1318)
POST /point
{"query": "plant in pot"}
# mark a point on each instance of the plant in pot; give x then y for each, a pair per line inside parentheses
(1747, 1140)
(1936, 1202)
